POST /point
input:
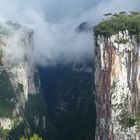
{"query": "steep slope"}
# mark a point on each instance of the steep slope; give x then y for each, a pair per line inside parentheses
(117, 79)
(19, 83)
(68, 92)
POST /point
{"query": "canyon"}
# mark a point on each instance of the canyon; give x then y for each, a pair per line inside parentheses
(69, 101)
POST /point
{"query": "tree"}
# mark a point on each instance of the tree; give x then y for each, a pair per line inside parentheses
(134, 13)
(120, 23)
(108, 14)
(123, 13)
(34, 137)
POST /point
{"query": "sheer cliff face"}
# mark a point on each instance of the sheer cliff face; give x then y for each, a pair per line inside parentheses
(17, 68)
(117, 82)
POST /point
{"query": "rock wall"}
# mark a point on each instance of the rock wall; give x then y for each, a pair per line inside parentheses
(15, 46)
(117, 87)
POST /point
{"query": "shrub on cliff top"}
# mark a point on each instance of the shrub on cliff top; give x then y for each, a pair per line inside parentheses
(119, 22)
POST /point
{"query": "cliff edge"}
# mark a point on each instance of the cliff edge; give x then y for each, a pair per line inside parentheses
(117, 77)
(21, 104)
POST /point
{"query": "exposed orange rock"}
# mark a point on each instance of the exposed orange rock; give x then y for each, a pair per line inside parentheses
(117, 87)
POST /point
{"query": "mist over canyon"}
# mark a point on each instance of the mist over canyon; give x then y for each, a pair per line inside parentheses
(54, 23)
(69, 70)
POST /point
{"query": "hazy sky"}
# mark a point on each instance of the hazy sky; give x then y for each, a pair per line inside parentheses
(54, 23)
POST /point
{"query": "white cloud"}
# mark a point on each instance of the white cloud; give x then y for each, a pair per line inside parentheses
(54, 23)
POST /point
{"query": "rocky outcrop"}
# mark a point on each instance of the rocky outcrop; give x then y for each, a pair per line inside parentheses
(117, 87)
(6, 123)
(15, 46)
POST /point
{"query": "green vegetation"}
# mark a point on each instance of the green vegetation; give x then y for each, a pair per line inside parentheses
(35, 109)
(6, 95)
(121, 41)
(119, 22)
(70, 101)
(127, 120)
(114, 84)
(55, 114)
(137, 122)
(3, 133)
(34, 137)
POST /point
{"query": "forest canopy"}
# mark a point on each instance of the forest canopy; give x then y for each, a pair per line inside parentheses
(114, 23)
